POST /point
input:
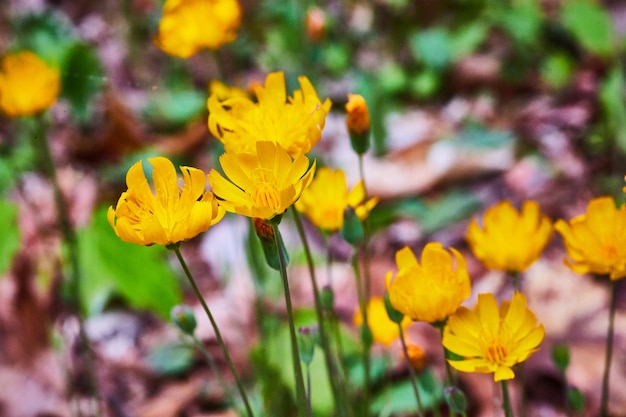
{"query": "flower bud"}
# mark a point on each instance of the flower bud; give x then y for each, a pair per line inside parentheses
(182, 316)
(575, 400)
(306, 343)
(352, 230)
(358, 123)
(327, 298)
(265, 232)
(315, 24)
(456, 399)
(560, 356)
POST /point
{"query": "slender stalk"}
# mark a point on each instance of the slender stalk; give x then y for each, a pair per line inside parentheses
(216, 329)
(308, 388)
(449, 375)
(412, 374)
(604, 402)
(506, 400)
(300, 391)
(367, 347)
(337, 387)
(71, 241)
(211, 362)
(366, 259)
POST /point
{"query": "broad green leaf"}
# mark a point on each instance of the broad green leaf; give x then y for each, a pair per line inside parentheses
(10, 236)
(591, 24)
(432, 47)
(171, 359)
(400, 398)
(48, 34)
(467, 39)
(139, 275)
(522, 21)
(612, 96)
(82, 79)
(557, 70)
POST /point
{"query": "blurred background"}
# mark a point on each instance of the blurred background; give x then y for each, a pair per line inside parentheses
(471, 102)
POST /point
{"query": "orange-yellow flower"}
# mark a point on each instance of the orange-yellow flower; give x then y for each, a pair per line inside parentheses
(169, 214)
(491, 339)
(325, 201)
(262, 184)
(358, 119)
(27, 84)
(188, 26)
(383, 329)
(596, 241)
(510, 240)
(417, 356)
(295, 123)
(432, 290)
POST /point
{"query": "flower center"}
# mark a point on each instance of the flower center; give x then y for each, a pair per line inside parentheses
(266, 196)
(496, 353)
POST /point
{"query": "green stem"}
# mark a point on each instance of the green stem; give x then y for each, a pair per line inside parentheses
(71, 242)
(366, 259)
(367, 347)
(604, 402)
(412, 374)
(337, 387)
(300, 391)
(209, 359)
(506, 400)
(449, 375)
(308, 388)
(216, 329)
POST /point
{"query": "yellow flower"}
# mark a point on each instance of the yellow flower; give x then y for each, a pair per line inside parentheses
(383, 329)
(188, 26)
(358, 119)
(325, 201)
(168, 215)
(27, 84)
(510, 240)
(596, 241)
(417, 356)
(262, 184)
(491, 339)
(295, 123)
(431, 291)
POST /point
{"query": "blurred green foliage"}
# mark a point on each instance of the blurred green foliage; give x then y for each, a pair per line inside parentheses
(10, 236)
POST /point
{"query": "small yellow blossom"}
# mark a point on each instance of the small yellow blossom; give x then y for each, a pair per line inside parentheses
(295, 123)
(27, 84)
(325, 201)
(383, 329)
(431, 291)
(358, 119)
(168, 215)
(596, 241)
(510, 240)
(188, 26)
(491, 339)
(262, 184)
(417, 356)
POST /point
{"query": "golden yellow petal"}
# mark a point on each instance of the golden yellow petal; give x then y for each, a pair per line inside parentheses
(503, 373)
(405, 258)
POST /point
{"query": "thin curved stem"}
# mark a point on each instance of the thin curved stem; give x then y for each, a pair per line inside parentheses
(367, 347)
(211, 362)
(216, 329)
(71, 241)
(506, 400)
(604, 402)
(412, 374)
(297, 367)
(331, 367)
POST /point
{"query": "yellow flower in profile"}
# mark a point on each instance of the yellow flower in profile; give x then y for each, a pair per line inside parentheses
(188, 26)
(431, 291)
(491, 339)
(325, 201)
(262, 184)
(383, 329)
(358, 119)
(27, 84)
(596, 241)
(510, 240)
(168, 215)
(295, 123)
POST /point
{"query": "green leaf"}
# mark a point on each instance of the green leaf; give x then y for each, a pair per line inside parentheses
(139, 275)
(173, 359)
(591, 24)
(522, 21)
(432, 47)
(400, 398)
(10, 236)
(48, 34)
(467, 39)
(82, 79)
(173, 109)
(612, 96)
(557, 70)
